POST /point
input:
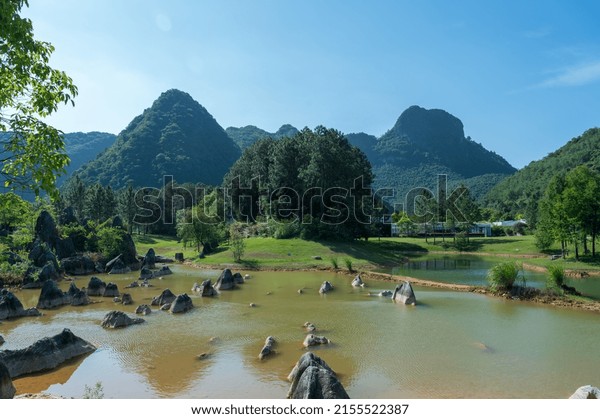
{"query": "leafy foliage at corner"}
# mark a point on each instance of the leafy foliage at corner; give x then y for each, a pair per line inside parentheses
(521, 192)
(32, 152)
(176, 136)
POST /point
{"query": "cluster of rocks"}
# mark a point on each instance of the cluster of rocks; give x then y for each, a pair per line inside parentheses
(148, 269)
(173, 303)
(205, 289)
(228, 280)
(52, 297)
(117, 319)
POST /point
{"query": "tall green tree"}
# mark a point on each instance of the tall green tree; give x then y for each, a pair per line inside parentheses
(127, 206)
(32, 152)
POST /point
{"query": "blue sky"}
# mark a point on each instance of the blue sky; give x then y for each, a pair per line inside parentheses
(523, 76)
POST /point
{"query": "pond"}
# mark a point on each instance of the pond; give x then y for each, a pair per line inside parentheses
(451, 345)
(472, 270)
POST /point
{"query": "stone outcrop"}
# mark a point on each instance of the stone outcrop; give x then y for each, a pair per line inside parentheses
(165, 297)
(325, 287)
(129, 255)
(358, 282)
(96, 287)
(126, 299)
(45, 354)
(78, 297)
(65, 248)
(48, 273)
(267, 349)
(586, 392)
(143, 309)
(179, 257)
(225, 281)
(78, 265)
(146, 273)
(7, 389)
(149, 260)
(310, 327)
(116, 319)
(313, 340)
(45, 229)
(312, 378)
(404, 294)
(51, 296)
(11, 307)
(238, 278)
(205, 289)
(111, 290)
(117, 266)
(163, 271)
(181, 304)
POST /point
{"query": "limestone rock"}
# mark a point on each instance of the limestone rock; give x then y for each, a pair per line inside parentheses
(313, 340)
(96, 287)
(404, 294)
(149, 260)
(7, 389)
(51, 296)
(225, 281)
(179, 257)
(238, 278)
(48, 272)
(78, 265)
(325, 287)
(165, 297)
(143, 309)
(126, 299)
(163, 271)
(181, 304)
(11, 307)
(312, 378)
(310, 327)
(358, 282)
(146, 273)
(205, 289)
(586, 392)
(45, 354)
(117, 267)
(115, 319)
(111, 290)
(267, 349)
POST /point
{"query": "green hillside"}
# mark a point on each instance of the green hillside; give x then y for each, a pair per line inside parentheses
(244, 137)
(520, 193)
(176, 136)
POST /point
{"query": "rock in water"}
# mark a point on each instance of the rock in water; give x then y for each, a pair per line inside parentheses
(115, 319)
(181, 304)
(1, 340)
(325, 287)
(238, 278)
(146, 273)
(126, 299)
(149, 260)
(586, 392)
(310, 327)
(111, 290)
(313, 340)
(404, 294)
(118, 267)
(51, 296)
(78, 265)
(45, 354)
(78, 297)
(11, 307)
(358, 282)
(205, 289)
(143, 309)
(312, 378)
(95, 287)
(165, 297)
(164, 270)
(7, 389)
(267, 348)
(225, 281)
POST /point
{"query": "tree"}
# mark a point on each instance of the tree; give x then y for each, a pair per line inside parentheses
(196, 227)
(75, 193)
(127, 206)
(32, 153)
(236, 242)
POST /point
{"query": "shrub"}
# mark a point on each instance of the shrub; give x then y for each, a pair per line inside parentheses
(543, 239)
(348, 263)
(111, 241)
(503, 275)
(287, 230)
(96, 392)
(334, 262)
(556, 277)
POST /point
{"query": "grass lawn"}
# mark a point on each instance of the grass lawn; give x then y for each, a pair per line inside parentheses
(264, 252)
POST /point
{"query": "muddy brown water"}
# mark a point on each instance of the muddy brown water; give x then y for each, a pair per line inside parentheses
(451, 345)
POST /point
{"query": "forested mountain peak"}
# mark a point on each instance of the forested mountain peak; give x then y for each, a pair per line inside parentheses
(244, 137)
(175, 136)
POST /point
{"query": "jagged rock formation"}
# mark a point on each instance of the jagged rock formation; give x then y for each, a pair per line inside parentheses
(312, 378)
(96, 287)
(325, 287)
(45, 354)
(117, 319)
(7, 389)
(165, 297)
(404, 294)
(267, 349)
(181, 304)
(11, 307)
(226, 281)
